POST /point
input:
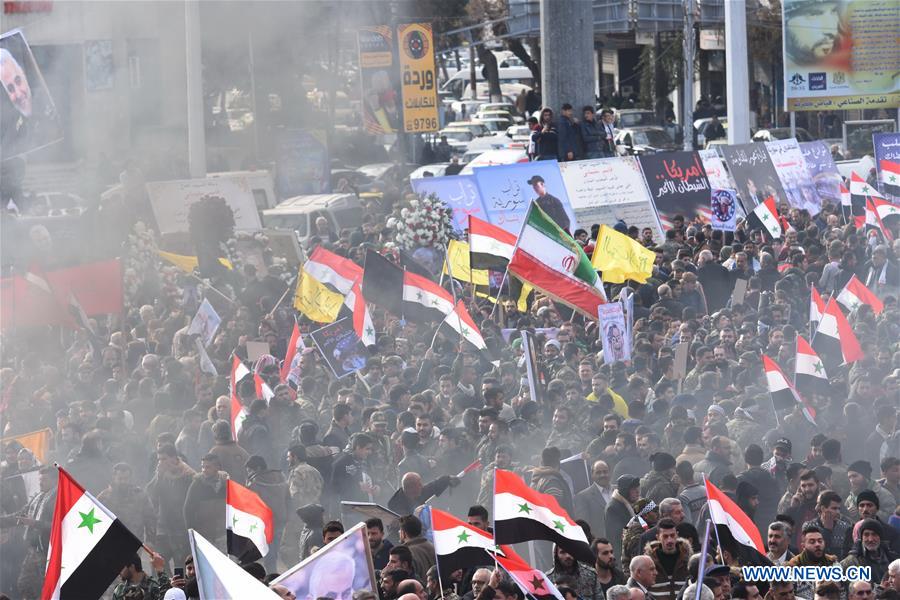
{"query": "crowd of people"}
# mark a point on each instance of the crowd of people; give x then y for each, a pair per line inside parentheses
(142, 426)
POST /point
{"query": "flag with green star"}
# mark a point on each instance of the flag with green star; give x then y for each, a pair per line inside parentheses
(889, 174)
(88, 544)
(459, 545)
(811, 376)
(531, 581)
(248, 522)
(765, 217)
(522, 514)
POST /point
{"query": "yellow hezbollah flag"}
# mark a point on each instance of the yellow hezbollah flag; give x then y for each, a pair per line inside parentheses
(458, 257)
(315, 300)
(619, 257)
(36, 441)
(187, 263)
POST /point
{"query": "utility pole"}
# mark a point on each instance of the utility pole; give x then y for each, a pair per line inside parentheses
(687, 103)
(567, 53)
(194, 86)
(737, 80)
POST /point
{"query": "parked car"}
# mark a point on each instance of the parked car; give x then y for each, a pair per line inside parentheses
(299, 214)
(505, 156)
(519, 133)
(700, 127)
(476, 128)
(781, 133)
(645, 140)
(635, 117)
(353, 179)
(436, 170)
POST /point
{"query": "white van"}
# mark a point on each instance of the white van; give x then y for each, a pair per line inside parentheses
(299, 214)
(259, 183)
(457, 85)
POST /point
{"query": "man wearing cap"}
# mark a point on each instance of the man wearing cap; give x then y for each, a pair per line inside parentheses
(870, 551)
(620, 509)
(867, 505)
(860, 475)
(659, 483)
(548, 203)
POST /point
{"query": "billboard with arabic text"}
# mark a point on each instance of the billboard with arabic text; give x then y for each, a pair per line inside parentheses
(418, 79)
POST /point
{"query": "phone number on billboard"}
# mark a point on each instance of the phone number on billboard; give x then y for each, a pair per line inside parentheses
(429, 124)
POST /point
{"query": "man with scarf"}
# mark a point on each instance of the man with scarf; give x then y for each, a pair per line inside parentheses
(812, 555)
(870, 551)
(576, 575)
(620, 509)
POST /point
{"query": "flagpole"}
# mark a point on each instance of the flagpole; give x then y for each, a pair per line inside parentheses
(701, 572)
(280, 300)
(515, 248)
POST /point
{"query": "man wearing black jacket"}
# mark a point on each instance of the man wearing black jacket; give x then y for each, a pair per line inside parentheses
(591, 134)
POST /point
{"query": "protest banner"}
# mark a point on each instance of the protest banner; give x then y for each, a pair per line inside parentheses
(36, 441)
(796, 181)
(340, 347)
(724, 209)
(28, 120)
(678, 185)
(619, 257)
(719, 177)
(753, 173)
(616, 344)
(887, 147)
(507, 191)
(459, 192)
(840, 55)
(344, 564)
(821, 167)
(607, 190)
(171, 201)
(205, 323)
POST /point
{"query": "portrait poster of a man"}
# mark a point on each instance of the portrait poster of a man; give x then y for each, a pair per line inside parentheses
(28, 117)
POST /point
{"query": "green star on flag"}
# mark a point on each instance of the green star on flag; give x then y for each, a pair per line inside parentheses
(765, 217)
(818, 367)
(892, 178)
(234, 520)
(369, 331)
(557, 524)
(420, 296)
(865, 189)
(252, 527)
(463, 537)
(88, 520)
(525, 508)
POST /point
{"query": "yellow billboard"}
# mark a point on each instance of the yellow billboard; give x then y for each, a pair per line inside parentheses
(418, 80)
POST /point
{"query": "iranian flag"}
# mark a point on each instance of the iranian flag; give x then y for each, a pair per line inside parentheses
(765, 217)
(88, 545)
(834, 340)
(248, 523)
(723, 511)
(458, 545)
(856, 293)
(238, 411)
(490, 247)
(784, 394)
(550, 260)
(531, 581)
(522, 514)
(809, 370)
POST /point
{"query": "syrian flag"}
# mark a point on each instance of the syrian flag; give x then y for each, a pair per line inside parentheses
(220, 578)
(856, 293)
(725, 512)
(522, 514)
(846, 206)
(859, 189)
(809, 370)
(784, 394)
(875, 206)
(531, 581)
(262, 388)
(458, 545)
(490, 247)
(550, 260)
(889, 175)
(765, 217)
(248, 523)
(295, 344)
(461, 322)
(362, 318)
(238, 412)
(88, 545)
(834, 340)
(816, 305)
(887, 212)
(424, 300)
